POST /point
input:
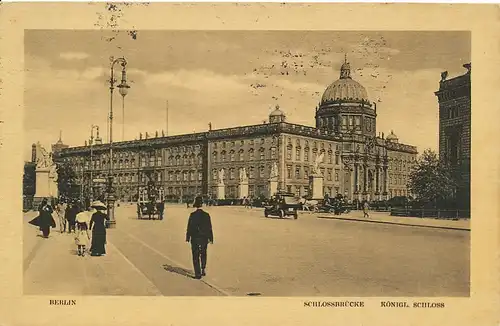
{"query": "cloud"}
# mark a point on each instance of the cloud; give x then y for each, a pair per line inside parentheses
(73, 55)
(198, 80)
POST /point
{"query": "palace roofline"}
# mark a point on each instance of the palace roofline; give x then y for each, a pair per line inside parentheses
(455, 82)
(241, 131)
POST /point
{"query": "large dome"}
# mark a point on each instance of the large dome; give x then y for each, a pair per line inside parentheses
(345, 88)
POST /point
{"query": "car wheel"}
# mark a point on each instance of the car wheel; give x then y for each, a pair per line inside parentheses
(281, 213)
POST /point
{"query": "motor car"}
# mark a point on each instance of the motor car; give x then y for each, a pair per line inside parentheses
(283, 205)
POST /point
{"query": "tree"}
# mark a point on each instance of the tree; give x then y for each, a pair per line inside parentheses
(67, 181)
(432, 181)
(29, 177)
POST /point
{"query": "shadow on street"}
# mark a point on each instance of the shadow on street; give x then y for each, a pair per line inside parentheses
(178, 270)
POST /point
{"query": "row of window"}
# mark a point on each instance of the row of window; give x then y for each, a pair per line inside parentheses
(298, 143)
(241, 143)
(400, 180)
(304, 155)
(350, 122)
(303, 172)
(232, 156)
(234, 173)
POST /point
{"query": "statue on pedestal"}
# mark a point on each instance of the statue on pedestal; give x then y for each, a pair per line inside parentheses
(243, 175)
(274, 171)
(318, 160)
(221, 176)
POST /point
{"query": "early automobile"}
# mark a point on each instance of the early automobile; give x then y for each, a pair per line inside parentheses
(282, 205)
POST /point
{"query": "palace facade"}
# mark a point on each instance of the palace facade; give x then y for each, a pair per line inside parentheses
(356, 162)
(454, 96)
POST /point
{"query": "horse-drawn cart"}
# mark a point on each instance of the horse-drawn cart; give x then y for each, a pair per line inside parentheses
(150, 204)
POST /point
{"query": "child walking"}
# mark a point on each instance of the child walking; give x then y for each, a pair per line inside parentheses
(82, 237)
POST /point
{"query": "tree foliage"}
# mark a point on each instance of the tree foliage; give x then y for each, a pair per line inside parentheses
(67, 180)
(432, 181)
(29, 179)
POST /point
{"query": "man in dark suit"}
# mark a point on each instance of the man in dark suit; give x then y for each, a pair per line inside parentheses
(199, 233)
(161, 209)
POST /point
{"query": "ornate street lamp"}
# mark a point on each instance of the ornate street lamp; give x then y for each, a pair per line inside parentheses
(91, 143)
(123, 88)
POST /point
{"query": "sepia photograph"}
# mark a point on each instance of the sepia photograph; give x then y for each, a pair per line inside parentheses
(247, 163)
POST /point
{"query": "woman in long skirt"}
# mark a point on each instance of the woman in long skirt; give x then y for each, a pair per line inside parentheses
(44, 220)
(97, 224)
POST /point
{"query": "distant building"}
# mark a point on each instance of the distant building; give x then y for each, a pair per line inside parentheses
(59, 146)
(357, 162)
(454, 96)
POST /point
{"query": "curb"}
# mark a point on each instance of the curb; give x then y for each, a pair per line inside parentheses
(395, 223)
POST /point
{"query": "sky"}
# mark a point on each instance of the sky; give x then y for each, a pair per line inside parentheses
(229, 78)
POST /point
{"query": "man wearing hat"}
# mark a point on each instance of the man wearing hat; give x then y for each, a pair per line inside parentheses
(199, 233)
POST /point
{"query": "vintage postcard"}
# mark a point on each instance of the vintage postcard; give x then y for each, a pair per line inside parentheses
(293, 163)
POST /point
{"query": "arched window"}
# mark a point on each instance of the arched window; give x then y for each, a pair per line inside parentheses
(214, 156)
(223, 156)
(289, 152)
(273, 152)
(240, 155)
(297, 153)
(231, 174)
(261, 171)
(231, 153)
(251, 154)
(214, 174)
(262, 153)
(251, 172)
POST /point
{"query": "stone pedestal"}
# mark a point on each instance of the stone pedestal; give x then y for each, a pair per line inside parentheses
(221, 191)
(53, 189)
(243, 190)
(42, 183)
(316, 186)
(273, 186)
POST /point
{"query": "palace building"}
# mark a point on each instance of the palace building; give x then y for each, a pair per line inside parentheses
(356, 162)
(454, 96)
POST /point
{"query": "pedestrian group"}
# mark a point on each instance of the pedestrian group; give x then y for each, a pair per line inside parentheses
(73, 219)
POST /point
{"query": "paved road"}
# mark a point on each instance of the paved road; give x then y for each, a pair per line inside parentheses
(252, 254)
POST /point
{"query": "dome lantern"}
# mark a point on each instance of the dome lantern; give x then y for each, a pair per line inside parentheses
(277, 115)
(345, 69)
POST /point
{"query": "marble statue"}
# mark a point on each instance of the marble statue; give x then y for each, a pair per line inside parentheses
(43, 159)
(274, 170)
(221, 175)
(243, 175)
(318, 160)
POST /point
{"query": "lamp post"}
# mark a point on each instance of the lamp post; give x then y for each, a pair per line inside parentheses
(91, 160)
(123, 89)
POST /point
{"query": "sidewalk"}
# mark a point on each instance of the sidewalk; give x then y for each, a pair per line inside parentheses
(386, 218)
(52, 267)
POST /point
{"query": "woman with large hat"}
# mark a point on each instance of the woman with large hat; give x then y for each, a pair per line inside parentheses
(98, 227)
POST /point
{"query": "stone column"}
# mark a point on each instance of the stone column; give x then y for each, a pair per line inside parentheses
(352, 183)
(356, 178)
(377, 182)
(365, 178)
(385, 183)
